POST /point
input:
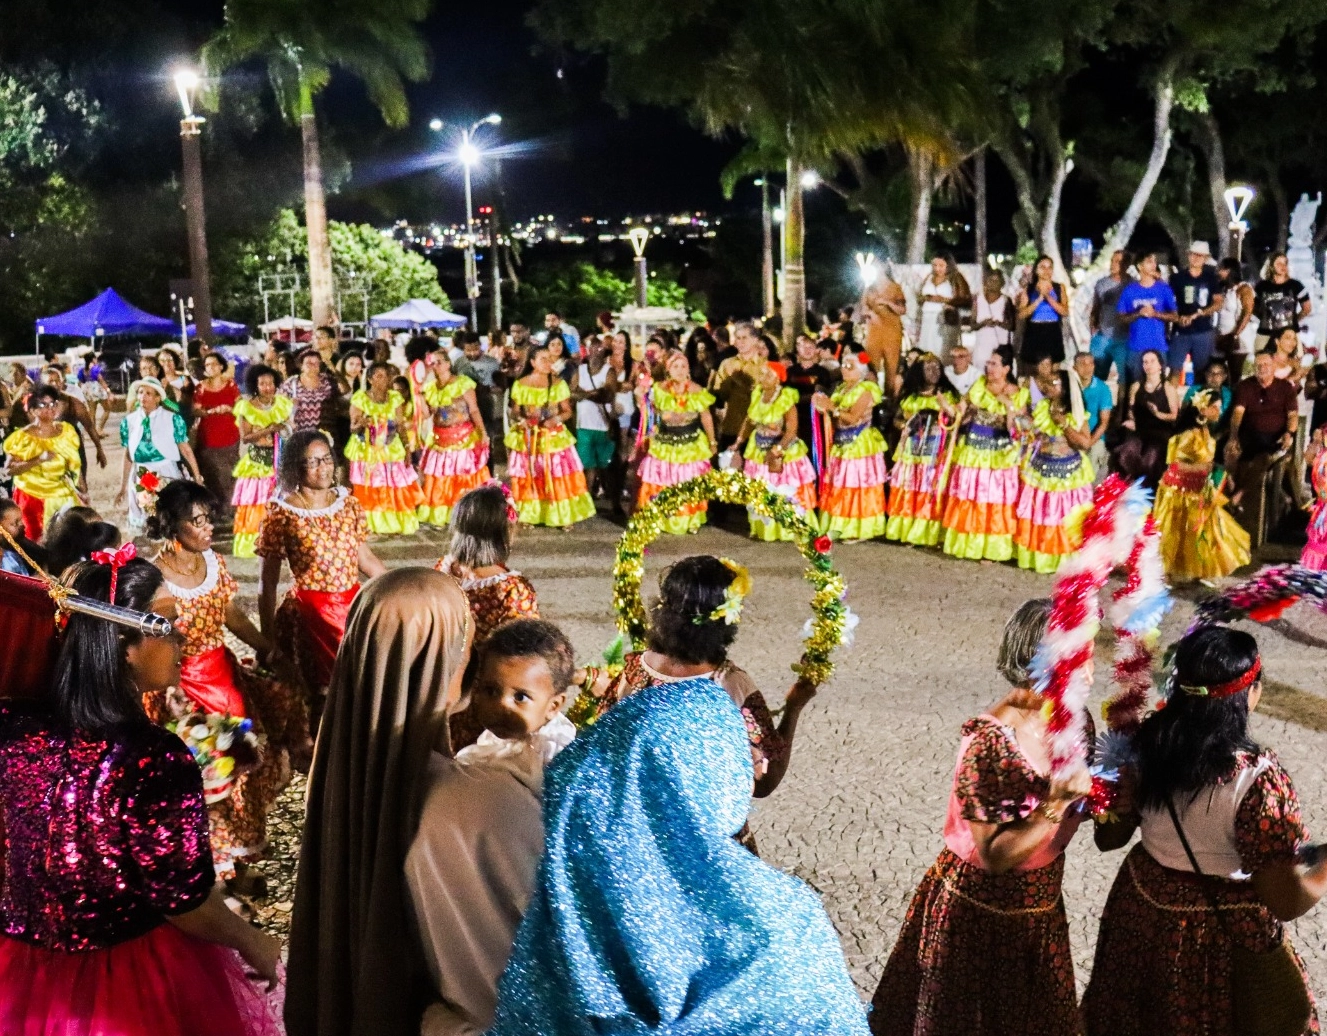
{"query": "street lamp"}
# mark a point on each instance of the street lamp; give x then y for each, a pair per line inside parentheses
(186, 83)
(1237, 201)
(809, 179)
(469, 155)
(638, 236)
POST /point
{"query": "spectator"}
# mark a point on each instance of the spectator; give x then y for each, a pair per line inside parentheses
(940, 297)
(11, 520)
(1286, 351)
(1315, 390)
(1198, 298)
(735, 380)
(1216, 381)
(324, 343)
(992, 322)
(1110, 336)
(554, 324)
(1097, 406)
(1262, 428)
(218, 435)
(807, 376)
(593, 390)
(1146, 306)
(604, 322)
(1153, 407)
(1234, 335)
(1042, 306)
(961, 371)
(313, 392)
(1280, 302)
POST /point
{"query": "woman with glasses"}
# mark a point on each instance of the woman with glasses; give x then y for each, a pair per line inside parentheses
(322, 532)
(213, 682)
(44, 463)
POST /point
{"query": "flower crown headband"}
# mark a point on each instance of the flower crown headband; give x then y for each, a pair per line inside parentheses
(733, 596)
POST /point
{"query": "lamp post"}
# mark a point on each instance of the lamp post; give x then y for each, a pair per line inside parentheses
(638, 236)
(867, 268)
(468, 154)
(186, 83)
(767, 248)
(1237, 201)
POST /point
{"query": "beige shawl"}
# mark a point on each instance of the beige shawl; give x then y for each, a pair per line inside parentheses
(356, 966)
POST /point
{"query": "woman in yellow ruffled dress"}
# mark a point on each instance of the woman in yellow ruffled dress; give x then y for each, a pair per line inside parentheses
(928, 411)
(456, 458)
(381, 477)
(264, 418)
(852, 496)
(981, 493)
(1199, 538)
(547, 479)
(682, 441)
(44, 462)
(1057, 479)
(774, 453)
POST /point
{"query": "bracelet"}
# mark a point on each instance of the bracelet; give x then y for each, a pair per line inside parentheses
(591, 675)
(1045, 810)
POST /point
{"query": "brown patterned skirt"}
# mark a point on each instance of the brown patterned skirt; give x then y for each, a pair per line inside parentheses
(980, 953)
(1163, 959)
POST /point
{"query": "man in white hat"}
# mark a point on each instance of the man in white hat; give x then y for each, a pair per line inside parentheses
(1198, 298)
(155, 440)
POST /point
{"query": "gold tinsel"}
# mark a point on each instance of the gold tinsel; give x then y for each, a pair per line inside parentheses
(732, 487)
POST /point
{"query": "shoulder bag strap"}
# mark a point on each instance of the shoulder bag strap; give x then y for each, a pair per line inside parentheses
(1202, 878)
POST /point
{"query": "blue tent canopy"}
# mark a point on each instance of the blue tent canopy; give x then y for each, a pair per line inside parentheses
(107, 314)
(418, 313)
(222, 329)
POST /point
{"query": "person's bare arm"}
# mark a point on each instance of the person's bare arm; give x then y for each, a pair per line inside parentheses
(789, 428)
(215, 922)
(369, 563)
(187, 452)
(1002, 847)
(1288, 891)
(707, 423)
(476, 418)
(239, 623)
(268, 580)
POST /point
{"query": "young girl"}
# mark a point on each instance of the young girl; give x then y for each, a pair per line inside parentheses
(1199, 538)
(1056, 488)
(471, 867)
(483, 522)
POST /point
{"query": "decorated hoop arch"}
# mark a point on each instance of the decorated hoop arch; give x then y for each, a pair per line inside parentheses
(829, 615)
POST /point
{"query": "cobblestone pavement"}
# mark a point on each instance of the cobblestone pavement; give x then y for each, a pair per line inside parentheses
(860, 813)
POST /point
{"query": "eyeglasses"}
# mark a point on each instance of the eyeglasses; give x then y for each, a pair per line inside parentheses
(199, 521)
(319, 462)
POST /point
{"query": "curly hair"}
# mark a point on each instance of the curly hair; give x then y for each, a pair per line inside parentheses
(681, 626)
(256, 371)
(175, 503)
(290, 470)
(534, 638)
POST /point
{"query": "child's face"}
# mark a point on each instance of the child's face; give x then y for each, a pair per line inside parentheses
(1216, 376)
(11, 519)
(514, 697)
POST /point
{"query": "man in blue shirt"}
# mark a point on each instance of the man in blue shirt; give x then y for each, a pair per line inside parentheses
(572, 337)
(1146, 307)
(1097, 405)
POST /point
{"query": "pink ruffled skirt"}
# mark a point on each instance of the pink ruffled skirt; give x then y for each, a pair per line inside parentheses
(164, 983)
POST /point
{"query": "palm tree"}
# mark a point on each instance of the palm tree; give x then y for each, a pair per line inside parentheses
(302, 42)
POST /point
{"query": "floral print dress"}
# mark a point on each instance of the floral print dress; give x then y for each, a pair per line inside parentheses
(981, 952)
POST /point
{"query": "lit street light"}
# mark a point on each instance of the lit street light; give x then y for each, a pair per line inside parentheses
(186, 83)
(809, 179)
(469, 155)
(867, 268)
(1237, 201)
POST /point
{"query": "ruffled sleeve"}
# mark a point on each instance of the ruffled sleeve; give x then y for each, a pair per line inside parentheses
(1268, 825)
(160, 795)
(360, 519)
(21, 445)
(272, 534)
(994, 783)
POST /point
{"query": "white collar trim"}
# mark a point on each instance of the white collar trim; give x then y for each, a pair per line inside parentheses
(321, 512)
(204, 588)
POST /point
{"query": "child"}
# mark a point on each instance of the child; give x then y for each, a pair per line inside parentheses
(482, 525)
(471, 868)
(11, 520)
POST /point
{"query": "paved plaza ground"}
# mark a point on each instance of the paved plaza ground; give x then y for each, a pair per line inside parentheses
(860, 812)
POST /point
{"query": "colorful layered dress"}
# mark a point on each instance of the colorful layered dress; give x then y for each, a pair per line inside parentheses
(852, 498)
(1315, 551)
(547, 478)
(456, 459)
(914, 497)
(212, 680)
(322, 548)
(255, 474)
(1056, 493)
(796, 478)
(381, 477)
(46, 489)
(981, 495)
(981, 952)
(1199, 538)
(1163, 958)
(677, 452)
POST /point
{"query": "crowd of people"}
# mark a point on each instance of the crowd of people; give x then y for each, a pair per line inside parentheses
(501, 839)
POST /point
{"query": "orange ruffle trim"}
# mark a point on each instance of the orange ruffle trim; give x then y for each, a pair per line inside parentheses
(395, 499)
(908, 503)
(249, 519)
(444, 491)
(972, 518)
(853, 501)
(565, 487)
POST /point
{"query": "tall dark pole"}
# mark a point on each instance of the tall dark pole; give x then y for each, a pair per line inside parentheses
(190, 144)
(979, 217)
(767, 249)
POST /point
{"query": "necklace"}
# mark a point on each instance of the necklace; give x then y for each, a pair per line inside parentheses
(189, 573)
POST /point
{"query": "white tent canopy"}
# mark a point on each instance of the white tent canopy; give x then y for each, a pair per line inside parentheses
(417, 313)
(288, 323)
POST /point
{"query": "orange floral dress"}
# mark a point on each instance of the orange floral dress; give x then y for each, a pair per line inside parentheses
(322, 549)
(212, 679)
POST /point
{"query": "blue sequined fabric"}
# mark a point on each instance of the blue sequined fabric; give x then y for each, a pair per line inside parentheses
(103, 836)
(647, 916)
